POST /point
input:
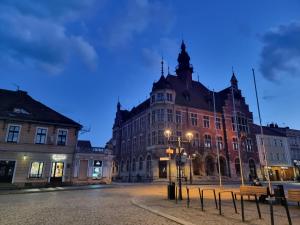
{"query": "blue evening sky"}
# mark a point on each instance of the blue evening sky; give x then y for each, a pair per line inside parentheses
(79, 56)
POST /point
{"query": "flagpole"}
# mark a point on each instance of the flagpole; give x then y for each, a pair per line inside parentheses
(262, 133)
(237, 134)
(218, 151)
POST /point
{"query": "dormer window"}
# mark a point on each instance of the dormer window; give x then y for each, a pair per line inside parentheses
(20, 110)
(160, 97)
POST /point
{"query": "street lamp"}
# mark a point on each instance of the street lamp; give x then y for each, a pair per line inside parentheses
(169, 151)
(189, 137)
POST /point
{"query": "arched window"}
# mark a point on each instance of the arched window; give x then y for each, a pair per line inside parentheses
(141, 163)
(133, 164)
(209, 166)
(237, 167)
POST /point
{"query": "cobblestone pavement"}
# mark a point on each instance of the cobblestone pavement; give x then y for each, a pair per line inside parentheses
(114, 206)
(91, 207)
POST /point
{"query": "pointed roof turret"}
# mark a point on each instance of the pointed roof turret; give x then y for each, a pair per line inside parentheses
(234, 81)
(162, 83)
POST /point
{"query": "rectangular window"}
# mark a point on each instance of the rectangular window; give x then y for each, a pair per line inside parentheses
(160, 97)
(62, 137)
(97, 169)
(160, 138)
(206, 121)
(196, 141)
(153, 98)
(207, 141)
(36, 170)
(219, 143)
(194, 119)
(218, 123)
(160, 115)
(178, 117)
(170, 115)
(41, 134)
(169, 97)
(153, 138)
(249, 145)
(153, 116)
(233, 123)
(235, 144)
(13, 133)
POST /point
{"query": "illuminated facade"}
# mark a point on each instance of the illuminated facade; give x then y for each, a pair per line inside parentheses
(37, 144)
(180, 104)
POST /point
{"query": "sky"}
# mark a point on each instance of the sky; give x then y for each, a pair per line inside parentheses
(78, 57)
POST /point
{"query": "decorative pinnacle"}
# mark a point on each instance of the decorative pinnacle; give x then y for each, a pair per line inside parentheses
(162, 66)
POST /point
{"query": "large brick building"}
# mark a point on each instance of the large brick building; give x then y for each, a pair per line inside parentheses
(180, 104)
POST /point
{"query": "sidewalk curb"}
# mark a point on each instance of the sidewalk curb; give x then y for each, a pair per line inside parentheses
(156, 212)
(14, 192)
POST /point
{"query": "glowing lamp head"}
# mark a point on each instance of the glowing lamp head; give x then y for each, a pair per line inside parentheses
(168, 133)
(189, 136)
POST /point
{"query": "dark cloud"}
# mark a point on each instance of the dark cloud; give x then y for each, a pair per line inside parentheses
(32, 34)
(280, 56)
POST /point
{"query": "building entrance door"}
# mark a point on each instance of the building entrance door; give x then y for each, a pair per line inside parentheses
(162, 169)
(6, 171)
(57, 172)
(83, 166)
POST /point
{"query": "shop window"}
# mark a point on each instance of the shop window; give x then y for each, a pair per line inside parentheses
(62, 137)
(36, 170)
(41, 134)
(97, 169)
(13, 133)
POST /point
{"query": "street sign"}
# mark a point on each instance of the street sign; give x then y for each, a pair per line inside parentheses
(163, 158)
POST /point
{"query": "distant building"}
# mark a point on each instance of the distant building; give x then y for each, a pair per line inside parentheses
(92, 165)
(37, 144)
(180, 104)
(293, 137)
(277, 151)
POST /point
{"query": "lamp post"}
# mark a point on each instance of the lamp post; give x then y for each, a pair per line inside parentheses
(189, 136)
(167, 134)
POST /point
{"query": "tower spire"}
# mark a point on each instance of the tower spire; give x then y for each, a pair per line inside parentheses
(162, 66)
(184, 65)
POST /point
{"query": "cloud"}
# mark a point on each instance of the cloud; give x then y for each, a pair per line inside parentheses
(280, 56)
(32, 34)
(136, 17)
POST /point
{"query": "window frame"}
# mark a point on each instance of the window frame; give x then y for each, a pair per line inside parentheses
(62, 129)
(35, 139)
(7, 132)
(41, 172)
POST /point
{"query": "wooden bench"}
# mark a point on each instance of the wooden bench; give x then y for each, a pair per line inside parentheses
(294, 196)
(255, 191)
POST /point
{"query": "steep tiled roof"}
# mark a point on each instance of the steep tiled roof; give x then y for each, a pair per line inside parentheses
(18, 105)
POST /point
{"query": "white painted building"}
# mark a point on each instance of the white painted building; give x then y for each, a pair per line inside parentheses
(276, 147)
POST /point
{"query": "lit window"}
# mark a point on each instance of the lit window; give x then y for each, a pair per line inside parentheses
(207, 141)
(97, 169)
(36, 170)
(13, 133)
(62, 137)
(41, 134)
